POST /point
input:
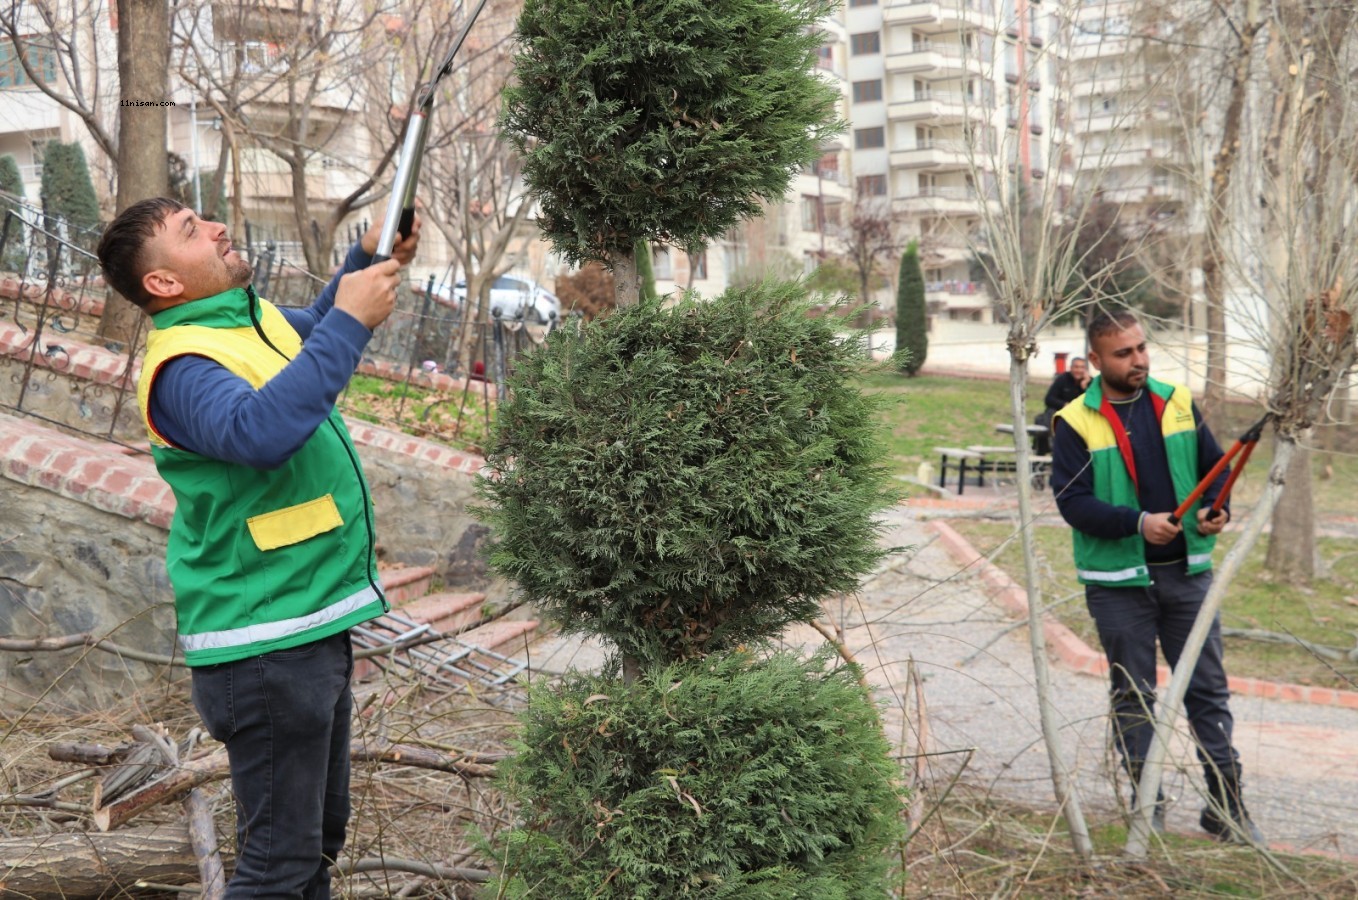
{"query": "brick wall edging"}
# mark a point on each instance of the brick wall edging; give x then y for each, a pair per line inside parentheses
(1073, 652)
(107, 478)
(97, 474)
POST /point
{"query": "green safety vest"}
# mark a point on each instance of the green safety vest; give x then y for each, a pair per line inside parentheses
(1121, 562)
(259, 560)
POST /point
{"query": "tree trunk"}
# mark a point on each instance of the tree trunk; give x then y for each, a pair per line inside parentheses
(1218, 213)
(143, 73)
(626, 278)
(77, 865)
(1292, 543)
(1171, 700)
(1066, 798)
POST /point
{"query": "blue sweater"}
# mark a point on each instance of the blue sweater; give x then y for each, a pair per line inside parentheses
(1073, 480)
(199, 406)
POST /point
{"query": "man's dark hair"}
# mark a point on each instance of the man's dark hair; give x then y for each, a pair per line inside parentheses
(1108, 321)
(122, 250)
(1077, 359)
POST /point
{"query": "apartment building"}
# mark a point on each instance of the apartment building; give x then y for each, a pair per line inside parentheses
(1128, 110)
(950, 103)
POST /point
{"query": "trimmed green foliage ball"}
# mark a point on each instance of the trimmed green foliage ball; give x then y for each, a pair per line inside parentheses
(664, 120)
(762, 779)
(683, 480)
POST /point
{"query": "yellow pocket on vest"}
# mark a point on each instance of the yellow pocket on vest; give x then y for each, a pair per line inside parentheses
(294, 524)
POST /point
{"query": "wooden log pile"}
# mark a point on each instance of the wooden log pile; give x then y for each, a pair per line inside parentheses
(153, 770)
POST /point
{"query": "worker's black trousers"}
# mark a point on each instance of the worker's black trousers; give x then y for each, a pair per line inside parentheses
(1130, 621)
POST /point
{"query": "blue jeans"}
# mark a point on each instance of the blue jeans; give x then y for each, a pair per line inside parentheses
(284, 718)
(1129, 621)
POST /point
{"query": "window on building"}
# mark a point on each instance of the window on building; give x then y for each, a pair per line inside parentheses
(825, 57)
(871, 185)
(699, 264)
(734, 256)
(865, 42)
(869, 138)
(811, 217)
(827, 166)
(42, 60)
(867, 91)
(661, 266)
(862, 2)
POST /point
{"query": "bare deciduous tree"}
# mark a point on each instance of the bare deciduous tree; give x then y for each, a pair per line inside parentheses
(868, 241)
(1300, 170)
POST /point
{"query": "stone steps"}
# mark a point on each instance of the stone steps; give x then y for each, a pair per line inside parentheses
(408, 592)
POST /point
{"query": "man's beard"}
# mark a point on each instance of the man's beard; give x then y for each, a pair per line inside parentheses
(1125, 386)
(240, 271)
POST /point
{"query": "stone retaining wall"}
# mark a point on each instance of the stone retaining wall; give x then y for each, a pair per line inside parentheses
(82, 545)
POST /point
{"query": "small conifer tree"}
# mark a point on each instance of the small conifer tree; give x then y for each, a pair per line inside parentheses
(14, 254)
(67, 191)
(912, 323)
(11, 182)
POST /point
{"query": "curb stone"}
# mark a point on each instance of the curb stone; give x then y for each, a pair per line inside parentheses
(1073, 652)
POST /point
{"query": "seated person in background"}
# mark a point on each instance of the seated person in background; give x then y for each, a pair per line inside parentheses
(1065, 388)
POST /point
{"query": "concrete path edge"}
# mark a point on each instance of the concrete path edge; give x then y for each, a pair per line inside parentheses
(1071, 651)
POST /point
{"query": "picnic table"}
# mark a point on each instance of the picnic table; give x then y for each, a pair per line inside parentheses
(1034, 431)
(980, 460)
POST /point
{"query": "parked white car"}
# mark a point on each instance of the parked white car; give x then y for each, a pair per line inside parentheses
(512, 297)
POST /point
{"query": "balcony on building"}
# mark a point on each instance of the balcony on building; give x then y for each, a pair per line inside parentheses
(937, 59)
(939, 200)
(933, 154)
(941, 15)
(956, 294)
(938, 107)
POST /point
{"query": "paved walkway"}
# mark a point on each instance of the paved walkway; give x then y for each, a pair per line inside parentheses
(1300, 760)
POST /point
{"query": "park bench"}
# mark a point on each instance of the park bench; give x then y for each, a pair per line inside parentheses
(957, 459)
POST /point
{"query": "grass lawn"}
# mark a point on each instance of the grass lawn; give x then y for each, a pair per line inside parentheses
(457, 418)
(1010, 851)
(930, 411)
(1323, 613)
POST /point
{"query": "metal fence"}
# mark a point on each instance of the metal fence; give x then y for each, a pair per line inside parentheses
(428, 370)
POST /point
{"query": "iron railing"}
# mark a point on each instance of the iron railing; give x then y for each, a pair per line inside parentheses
(428, 370)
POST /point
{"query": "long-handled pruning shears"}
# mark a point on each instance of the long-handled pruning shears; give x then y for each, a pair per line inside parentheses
(1246, 443)
(401, 206)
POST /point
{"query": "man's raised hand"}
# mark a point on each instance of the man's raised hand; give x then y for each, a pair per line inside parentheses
(369, 295)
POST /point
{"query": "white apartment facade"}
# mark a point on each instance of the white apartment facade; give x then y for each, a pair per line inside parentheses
(951, 101)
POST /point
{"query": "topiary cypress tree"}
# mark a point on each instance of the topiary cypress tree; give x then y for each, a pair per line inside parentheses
(683, 480)
(67, 190)
(663, 120)
(912, 323)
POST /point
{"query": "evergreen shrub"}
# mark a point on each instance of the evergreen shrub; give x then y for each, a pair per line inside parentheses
(763, 779)
(67, 190)
(683, 480)
(912, 318)
(11, 182)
